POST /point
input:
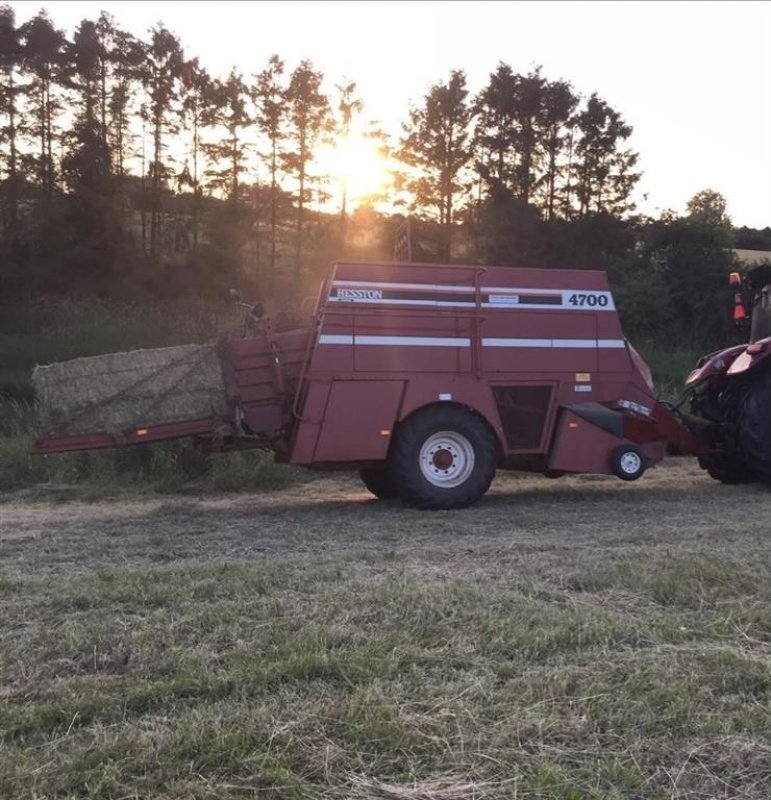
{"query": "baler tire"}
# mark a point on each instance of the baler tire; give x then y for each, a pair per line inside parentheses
(755, 426)
(620, 463)
(379, 482)
(455, 433)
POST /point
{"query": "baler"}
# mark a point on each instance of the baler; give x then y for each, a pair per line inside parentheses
(427, 378)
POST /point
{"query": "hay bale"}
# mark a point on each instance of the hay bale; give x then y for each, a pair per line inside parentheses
(120, 391)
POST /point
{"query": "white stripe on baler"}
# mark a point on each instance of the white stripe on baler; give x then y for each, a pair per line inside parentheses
(424, 287)
(559, 344)
(448, 341)
(397, 341)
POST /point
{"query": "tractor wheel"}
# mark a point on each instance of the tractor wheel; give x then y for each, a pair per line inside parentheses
(379, 482)
(726, 469)
(443, 457)
(628, 462)
(755, 426)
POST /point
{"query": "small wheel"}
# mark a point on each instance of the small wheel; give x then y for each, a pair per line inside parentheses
(628, 462)
(379, 482)
(553, 473)
(443, 457)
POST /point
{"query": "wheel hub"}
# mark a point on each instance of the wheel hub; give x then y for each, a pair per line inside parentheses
(443, 459)
(630, 463)
(447, 459)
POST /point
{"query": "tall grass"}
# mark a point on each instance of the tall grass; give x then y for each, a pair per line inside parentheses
(670, 365)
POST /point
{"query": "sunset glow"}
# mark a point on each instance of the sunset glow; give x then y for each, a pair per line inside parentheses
(355, 165)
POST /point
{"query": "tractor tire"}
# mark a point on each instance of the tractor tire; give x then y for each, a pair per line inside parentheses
(755, 426)
(379, 482)
(443, 457)
(727, 470)
(628, 462)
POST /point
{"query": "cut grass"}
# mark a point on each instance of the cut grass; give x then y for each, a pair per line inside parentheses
(577, 639)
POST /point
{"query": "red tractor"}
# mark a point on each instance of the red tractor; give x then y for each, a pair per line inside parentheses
(729, 392)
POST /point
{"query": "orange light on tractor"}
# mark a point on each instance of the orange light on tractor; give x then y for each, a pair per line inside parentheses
(739, 312)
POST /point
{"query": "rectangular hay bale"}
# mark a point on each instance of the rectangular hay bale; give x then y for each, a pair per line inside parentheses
(120, 391)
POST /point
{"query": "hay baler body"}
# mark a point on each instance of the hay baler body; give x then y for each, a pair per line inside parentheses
(537, 354)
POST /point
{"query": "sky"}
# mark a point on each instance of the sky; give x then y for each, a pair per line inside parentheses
(692, 78)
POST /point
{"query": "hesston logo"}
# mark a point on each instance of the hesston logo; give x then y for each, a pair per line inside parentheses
(359, 294)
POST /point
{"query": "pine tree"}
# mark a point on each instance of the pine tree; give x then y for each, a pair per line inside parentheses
(348, 106)
(44, 59)
(309, 119)
(161, 73)
(198, 111)
(603, 171)
(227, 156)
(559, 105)
(10, 59)
(269, 95)
(495, 128)
(436, 148)
(126, 57)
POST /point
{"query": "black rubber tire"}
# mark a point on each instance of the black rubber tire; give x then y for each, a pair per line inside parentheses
(620, 467)
(379, 482)
(755, 426)
(404, 458)
(727, 470)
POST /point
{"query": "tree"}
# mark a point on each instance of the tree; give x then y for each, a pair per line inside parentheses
(694, 256)
(495, 129)
(44, 58)
(559, 105)
(126, 56)
(197, 108)
(10, 58)
(709, 208)
(348, 105)
(435, 147)
(528, 111)
(161, 73)
(269, 96)
(87, 55)
(309, 119)
(603, 171)
(228, 110)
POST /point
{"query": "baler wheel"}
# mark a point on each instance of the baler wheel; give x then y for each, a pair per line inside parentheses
(628, 462)
(755, 426)
(379, 482)
(443, 457)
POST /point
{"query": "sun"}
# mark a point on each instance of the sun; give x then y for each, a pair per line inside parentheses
(356, 167)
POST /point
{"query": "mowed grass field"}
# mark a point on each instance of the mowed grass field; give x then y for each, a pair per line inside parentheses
(576, 638)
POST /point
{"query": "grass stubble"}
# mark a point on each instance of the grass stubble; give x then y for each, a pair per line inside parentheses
(579, 638)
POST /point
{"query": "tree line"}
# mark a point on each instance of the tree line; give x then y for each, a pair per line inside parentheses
(125, 165)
